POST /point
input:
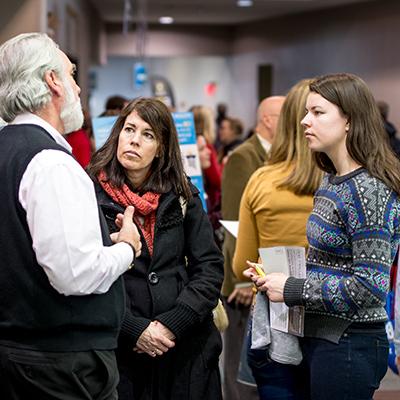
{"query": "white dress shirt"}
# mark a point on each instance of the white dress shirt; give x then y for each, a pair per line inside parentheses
(62, 214)
(264, 143)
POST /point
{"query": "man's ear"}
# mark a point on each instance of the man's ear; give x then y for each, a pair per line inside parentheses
(54, 83)
(266, 121)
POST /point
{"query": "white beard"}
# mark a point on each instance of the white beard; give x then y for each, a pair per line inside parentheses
(71, 113)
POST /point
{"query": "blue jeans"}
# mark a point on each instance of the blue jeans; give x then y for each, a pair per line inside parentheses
(350, 370)
(275, 381)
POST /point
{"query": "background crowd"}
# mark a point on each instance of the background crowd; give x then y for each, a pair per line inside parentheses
(134, 266)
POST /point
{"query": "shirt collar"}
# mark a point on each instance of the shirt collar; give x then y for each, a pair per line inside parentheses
(29, 118)
(264, 143)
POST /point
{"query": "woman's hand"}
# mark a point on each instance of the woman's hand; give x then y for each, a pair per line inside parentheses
(242, 295)
(275, 284)
(398, 362)
(272, 284)
(155, 340)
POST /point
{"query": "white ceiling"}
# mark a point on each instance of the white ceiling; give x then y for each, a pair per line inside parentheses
(216, 12)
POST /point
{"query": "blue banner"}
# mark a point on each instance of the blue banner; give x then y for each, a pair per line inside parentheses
(102, 129)
(184, 124)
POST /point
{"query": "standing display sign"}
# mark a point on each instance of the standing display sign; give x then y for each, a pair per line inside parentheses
(184, 124)
(102, 129)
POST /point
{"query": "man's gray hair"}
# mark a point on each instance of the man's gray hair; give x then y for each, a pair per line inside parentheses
(24, 60)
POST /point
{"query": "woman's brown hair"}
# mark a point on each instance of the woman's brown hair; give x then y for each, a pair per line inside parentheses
(290, 146)
(204, 122)
(366, 141)
(166, 172)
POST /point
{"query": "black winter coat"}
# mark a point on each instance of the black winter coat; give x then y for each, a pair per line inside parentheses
(178, 286)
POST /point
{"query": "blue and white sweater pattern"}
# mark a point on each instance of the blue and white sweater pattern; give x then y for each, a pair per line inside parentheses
(353, 234)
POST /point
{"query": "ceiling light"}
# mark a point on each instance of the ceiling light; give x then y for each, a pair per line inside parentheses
(166, 20)
(245, 3)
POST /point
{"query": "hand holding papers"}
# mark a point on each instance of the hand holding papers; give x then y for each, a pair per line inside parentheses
(291, 262)
(268, 326)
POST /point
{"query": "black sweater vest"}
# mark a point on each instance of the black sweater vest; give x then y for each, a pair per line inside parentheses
(32, 313)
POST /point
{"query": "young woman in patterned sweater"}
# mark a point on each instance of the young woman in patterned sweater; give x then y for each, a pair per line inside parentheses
(353, 234)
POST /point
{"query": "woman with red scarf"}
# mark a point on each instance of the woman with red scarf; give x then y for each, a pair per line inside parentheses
(169, 346)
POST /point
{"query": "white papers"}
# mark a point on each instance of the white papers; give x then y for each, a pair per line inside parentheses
(231, 226)
(291, 261)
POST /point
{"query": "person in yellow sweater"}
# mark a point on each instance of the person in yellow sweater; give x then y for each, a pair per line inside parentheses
(273, 212)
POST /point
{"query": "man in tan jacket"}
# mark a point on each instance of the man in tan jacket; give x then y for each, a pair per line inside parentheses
(241, 164)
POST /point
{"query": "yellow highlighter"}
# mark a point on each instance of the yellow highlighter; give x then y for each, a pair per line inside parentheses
(258, 268)
(260, 272)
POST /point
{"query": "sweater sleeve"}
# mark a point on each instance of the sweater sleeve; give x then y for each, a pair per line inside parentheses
(397, 314)
(293, 291)
(205, 273)
(247, 242)
(133, 327)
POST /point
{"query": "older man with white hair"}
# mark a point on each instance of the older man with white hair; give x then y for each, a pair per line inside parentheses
(61, 296)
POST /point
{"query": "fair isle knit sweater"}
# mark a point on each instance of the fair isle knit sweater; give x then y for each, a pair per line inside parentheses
(353, 233)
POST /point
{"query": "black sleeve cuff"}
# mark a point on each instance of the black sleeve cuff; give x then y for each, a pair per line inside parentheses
(133, 327)
(293, 292)
(179, 320)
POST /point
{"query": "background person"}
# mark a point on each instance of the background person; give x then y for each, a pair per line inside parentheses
(242, 162)
(273, 212)
(230, 135)
(389, 127)
(169, 345)
(205, 127)
(204, 152)
(221, 114)
(114, 105)
(61, 302)
(353, 234)
(80, 141)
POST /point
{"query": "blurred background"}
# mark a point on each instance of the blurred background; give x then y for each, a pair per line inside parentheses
(212, 51)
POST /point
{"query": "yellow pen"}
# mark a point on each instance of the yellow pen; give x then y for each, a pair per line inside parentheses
(258, 268)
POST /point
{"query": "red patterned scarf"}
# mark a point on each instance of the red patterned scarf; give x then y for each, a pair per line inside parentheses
(145, 206)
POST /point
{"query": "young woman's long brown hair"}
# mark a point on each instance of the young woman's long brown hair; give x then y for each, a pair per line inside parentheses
(290, 145)
(166, 172)
(366, 142)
